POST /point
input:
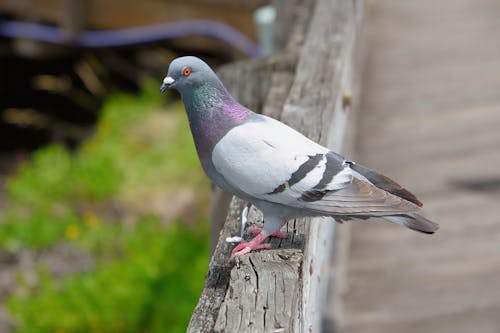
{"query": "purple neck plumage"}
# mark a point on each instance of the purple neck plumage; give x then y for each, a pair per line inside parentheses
(212, 112)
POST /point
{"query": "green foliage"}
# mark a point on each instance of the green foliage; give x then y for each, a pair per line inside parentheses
(136, 148)
(147, 273)
(36, 188)
(152, 288)
(36, 228)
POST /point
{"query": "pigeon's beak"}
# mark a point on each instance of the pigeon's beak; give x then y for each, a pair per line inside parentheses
(167, 83)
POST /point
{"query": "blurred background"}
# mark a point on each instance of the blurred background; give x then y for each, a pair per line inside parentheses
(103, 220)
(430, 119)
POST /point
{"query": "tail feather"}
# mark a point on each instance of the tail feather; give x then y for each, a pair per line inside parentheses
(414, 222)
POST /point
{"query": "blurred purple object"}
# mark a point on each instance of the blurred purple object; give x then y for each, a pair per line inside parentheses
(132, 36)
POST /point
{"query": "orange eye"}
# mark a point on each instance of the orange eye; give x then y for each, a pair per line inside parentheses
(186, 71)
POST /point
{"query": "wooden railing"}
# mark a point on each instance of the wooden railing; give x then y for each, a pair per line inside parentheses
(311, 85)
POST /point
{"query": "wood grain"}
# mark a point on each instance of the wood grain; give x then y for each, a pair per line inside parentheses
(264, 293)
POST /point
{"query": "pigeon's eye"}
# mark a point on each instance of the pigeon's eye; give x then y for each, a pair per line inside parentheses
(186, 71)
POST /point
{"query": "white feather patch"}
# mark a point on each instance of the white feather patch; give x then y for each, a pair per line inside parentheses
(312, 177)
(341, 179)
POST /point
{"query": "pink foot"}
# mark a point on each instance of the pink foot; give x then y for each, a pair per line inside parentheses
(247, 247)
(256, 230)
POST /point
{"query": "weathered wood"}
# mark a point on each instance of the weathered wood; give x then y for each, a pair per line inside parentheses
(322, 78)
(333, 312)
(263, 293)
(217, 280)
(292, 21)
(303, 86)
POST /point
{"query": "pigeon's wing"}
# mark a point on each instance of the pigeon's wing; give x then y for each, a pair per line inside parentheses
(270, 161)
(384, 183)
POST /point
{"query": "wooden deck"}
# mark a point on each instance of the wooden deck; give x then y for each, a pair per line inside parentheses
(430, 119)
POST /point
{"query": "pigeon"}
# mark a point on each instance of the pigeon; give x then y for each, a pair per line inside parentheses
(277, 169)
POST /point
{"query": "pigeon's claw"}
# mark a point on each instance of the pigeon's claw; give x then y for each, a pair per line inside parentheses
(247, 247)
(256, 230)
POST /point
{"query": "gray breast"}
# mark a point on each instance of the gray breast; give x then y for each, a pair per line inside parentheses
(219, 180)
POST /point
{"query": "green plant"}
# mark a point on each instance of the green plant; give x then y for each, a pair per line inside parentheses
(153, 287)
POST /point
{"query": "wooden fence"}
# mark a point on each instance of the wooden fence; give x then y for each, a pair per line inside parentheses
(310, 84)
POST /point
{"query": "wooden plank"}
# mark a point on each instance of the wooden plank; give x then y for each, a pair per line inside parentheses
(263, 294)
(311, 99)
(332, 36)
(217, 280)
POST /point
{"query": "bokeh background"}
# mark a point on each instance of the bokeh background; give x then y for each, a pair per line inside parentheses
(104, 206)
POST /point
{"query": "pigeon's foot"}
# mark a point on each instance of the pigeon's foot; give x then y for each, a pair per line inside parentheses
(247, 247)
(256, 230)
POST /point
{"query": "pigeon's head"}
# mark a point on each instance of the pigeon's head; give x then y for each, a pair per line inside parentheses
(187, 73)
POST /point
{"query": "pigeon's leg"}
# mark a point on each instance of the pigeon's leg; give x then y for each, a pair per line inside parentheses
(256, 230)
